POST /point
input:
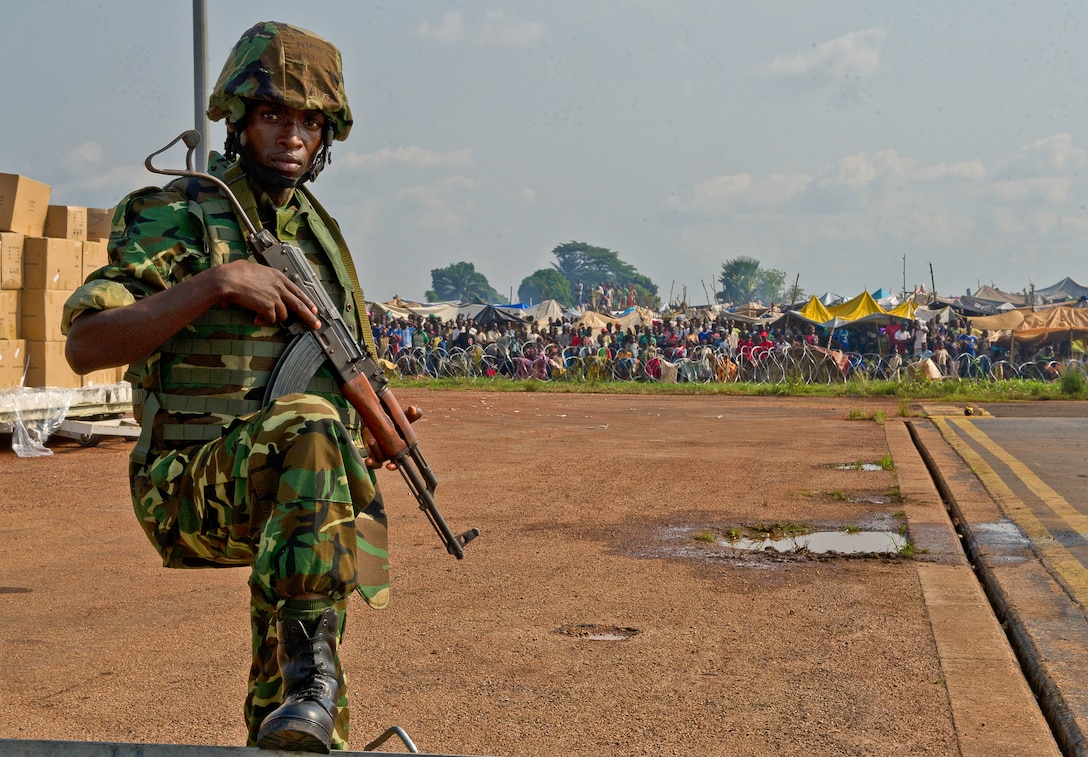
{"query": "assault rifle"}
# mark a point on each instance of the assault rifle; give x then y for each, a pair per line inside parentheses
(361, 379)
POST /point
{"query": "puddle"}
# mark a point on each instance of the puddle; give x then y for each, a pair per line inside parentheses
(598, 632)
(858, 466)
(823, 542)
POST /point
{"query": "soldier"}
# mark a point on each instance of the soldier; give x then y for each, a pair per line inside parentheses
(219, 479)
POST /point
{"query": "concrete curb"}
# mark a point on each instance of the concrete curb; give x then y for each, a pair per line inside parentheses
(993, 709)
(1046, 629)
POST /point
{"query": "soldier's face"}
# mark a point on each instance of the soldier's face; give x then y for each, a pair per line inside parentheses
(282, 139)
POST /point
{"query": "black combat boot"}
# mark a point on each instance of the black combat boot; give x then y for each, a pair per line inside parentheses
(307, 658)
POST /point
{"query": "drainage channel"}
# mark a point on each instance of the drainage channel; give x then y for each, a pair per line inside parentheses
(1051, 701)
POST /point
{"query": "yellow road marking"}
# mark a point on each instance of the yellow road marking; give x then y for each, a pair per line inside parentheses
(1038, 487)
(1073, 572)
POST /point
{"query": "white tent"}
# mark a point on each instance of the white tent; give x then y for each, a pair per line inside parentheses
(548, 309)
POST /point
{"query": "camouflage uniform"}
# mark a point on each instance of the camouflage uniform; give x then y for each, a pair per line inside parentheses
(277, 488)
(218, 479)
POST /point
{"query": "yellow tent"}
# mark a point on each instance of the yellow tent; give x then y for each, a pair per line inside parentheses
(905, 310)
(860, 307)
(815, 311)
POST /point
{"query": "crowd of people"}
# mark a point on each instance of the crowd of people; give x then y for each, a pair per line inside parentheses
(605, 296)
(948, 345)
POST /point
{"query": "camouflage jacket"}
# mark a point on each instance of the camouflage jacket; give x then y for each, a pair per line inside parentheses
(217, 367)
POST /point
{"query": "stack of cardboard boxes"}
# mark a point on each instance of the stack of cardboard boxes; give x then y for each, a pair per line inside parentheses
(46, 251)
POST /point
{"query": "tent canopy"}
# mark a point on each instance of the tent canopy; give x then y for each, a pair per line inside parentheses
(548, 310)
(595, 320)
(446, 311)
(1061, 322)
(996, 297)
(1066, 289)
(1005, 321)
(490, 315)
(861, 309)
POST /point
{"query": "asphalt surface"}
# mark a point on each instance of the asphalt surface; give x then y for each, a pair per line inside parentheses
(1012, 479)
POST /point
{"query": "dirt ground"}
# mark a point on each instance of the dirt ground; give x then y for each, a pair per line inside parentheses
(591, 508)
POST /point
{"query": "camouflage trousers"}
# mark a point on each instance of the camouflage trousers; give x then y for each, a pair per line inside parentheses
(286, 493)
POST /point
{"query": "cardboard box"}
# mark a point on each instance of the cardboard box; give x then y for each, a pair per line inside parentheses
(94, 256)
(52, 263)
(48, 366)
(66, 222)
(23, 204)
(11, 260)
(40, 313)
(9, 314)
(12, 362)
(103, 377)
(99, 221)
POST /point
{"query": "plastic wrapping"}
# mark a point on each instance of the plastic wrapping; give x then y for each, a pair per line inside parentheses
(36, 412)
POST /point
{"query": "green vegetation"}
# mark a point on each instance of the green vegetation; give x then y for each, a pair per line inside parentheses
(546, 284)
(593, 265)
(461, 282)
(706, 536)
(743, 281)
(950, 391)
(886, 462)
(1073, 383)
(877, 416)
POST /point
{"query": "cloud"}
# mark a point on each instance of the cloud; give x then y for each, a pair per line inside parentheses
(853, 55)
(114, 183)
(82, 157)
(414, 157)
(1044, 157)
(730, 192)
(493, 29)
(871, 198)
(442, 205)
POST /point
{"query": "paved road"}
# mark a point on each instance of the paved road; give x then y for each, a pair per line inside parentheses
(1031, 550)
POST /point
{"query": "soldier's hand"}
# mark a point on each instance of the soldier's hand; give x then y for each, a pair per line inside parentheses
(272, 296)
(375, 457)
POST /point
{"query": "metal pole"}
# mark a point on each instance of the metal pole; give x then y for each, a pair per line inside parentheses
(200, 80)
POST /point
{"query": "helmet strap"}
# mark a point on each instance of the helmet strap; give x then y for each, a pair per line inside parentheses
(230, 146)
(324, 155)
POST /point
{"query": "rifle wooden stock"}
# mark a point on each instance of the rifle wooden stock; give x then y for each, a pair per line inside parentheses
(361, 380)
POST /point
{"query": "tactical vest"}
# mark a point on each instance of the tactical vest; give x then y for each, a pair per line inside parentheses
(216, 369)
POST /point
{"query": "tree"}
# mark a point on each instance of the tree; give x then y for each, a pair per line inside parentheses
(546, 284)
(463, 283)
(594, 265)
(744, 281)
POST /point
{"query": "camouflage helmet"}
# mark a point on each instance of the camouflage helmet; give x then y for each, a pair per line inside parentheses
(282, 64)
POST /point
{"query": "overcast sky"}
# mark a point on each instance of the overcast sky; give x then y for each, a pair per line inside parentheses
(853, 144)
